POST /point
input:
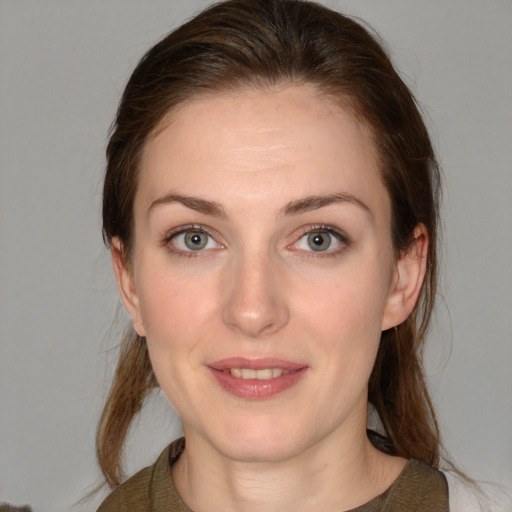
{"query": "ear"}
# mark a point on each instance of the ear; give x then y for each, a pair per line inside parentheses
(124, 276)
(409, 274)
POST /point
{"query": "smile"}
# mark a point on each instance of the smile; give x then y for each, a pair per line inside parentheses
(249, 373)
(257, 379)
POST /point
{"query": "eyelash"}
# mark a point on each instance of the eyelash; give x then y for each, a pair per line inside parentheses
(334, 232)
(331, 230)
(173, 233)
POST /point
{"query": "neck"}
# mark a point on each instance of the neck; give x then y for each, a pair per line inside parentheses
(339, 472)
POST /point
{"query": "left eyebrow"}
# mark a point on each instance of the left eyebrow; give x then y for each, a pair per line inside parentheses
(310, 203)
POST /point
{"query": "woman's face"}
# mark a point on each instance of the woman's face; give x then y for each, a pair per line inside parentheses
(262, 271)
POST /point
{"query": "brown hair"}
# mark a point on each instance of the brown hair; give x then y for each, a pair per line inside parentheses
(264, 43)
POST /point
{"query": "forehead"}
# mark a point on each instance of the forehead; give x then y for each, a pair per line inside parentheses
(260, 144)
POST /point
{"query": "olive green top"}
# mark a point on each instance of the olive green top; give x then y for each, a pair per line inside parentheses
(419, 488)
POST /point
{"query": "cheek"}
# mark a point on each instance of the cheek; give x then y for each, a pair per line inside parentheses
(343, 315)
(173, 304)
(177, 309)
(353, 299)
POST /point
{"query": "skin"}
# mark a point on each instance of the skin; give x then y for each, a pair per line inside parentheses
(259, 290)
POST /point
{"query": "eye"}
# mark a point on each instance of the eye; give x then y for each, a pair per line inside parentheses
(192, 239)
(321, 240)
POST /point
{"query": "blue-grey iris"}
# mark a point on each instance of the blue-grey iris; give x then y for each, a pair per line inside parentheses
(319, 241)
(195, 240)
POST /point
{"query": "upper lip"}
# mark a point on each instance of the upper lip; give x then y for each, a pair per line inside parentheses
(255, 364)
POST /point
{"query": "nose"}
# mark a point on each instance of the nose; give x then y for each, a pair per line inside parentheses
(255, 303)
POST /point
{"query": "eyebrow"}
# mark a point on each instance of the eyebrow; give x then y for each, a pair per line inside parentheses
(297, 207)
(310, 203)
(194, 203)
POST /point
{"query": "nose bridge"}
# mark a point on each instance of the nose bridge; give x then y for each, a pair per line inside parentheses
(255, 303)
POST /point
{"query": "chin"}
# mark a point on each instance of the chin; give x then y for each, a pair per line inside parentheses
(261, 441)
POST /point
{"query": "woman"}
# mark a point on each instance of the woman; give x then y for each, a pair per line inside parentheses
(271, 203)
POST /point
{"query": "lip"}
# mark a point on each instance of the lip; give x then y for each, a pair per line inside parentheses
(256, 389)
(255, 364)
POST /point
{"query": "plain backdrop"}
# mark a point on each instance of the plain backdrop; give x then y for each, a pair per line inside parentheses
(63, 65)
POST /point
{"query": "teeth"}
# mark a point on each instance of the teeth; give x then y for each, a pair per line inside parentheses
(248, 373)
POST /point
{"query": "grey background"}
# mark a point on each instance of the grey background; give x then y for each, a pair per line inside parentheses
(63, 65)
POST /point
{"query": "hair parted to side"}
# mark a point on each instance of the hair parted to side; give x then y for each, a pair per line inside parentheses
(265, 44)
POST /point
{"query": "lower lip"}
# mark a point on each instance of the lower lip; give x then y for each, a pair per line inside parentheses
(257, 389)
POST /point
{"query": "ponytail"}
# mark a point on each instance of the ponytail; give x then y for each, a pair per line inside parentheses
(133, 381)
(398, 391)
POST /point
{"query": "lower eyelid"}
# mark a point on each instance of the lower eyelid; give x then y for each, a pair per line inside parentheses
(167, 241)
(341, 238)
(167, 236)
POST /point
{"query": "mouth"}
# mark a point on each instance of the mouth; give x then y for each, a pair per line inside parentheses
(249, 373)
(256, 378)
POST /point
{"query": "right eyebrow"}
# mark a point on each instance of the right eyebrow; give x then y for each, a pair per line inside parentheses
(194, 203)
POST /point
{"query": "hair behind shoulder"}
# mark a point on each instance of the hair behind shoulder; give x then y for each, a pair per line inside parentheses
(265, 43)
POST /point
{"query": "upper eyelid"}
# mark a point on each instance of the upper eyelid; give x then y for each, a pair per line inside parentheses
(324, 227)
(170, 233)
(167, 240)
(304, 230)
(337, 233)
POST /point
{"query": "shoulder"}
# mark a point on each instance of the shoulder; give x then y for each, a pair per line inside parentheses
(419, 487)
(148, 489)
(134, 494)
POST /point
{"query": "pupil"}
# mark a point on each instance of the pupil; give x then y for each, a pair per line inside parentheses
(196, 239)
(318, 240)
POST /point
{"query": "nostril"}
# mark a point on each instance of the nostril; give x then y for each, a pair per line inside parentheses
(256, 318)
